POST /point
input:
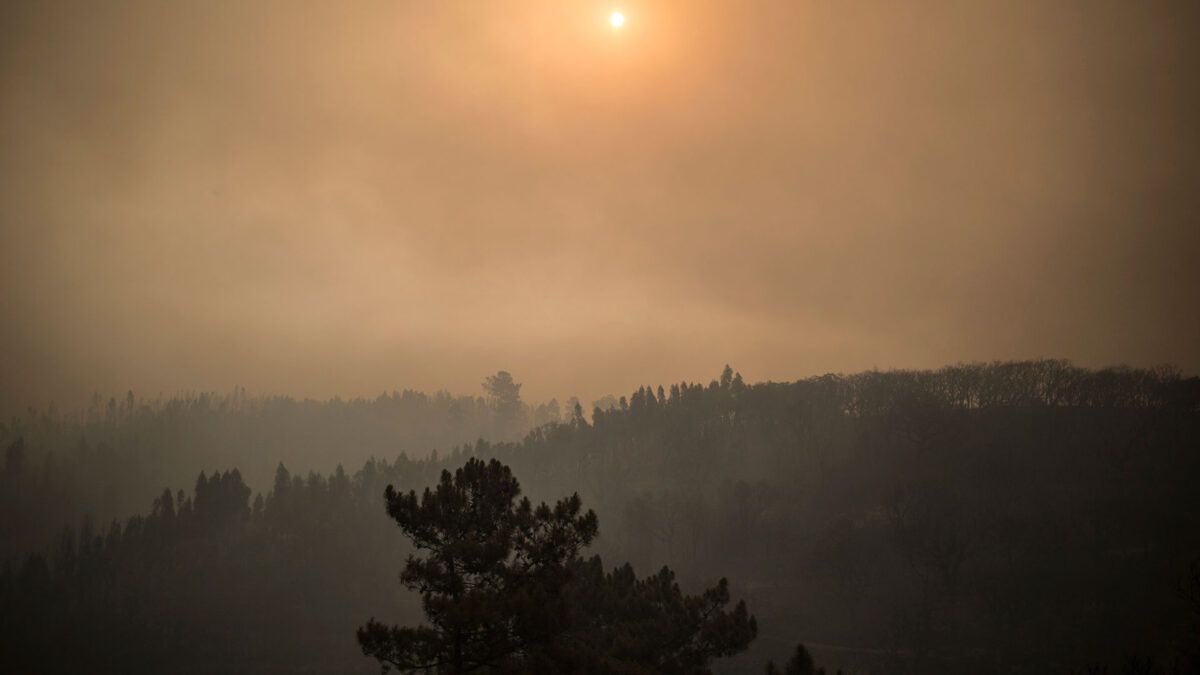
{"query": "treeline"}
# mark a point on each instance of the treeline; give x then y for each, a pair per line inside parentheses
(984, 518)
(212, 581)
(1014, 517)
(105, 459)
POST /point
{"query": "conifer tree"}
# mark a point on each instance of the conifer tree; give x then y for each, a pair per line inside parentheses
(490, 572)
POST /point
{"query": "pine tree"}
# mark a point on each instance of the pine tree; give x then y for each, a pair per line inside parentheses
(490, 571)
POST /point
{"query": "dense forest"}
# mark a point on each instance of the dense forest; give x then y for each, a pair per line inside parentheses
(104, 460)
(990, 518)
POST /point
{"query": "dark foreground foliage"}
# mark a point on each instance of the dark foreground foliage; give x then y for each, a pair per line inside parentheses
(490, 573)
(622, 624)
(1014, 517)
(503, 591)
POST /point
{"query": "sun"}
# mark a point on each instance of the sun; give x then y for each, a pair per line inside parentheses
(617, 19)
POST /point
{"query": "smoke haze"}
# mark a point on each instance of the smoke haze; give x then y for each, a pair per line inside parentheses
(323, 198)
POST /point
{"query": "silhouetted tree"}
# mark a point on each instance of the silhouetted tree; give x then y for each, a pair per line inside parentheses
(503, 590)
(801, 663)
(490, 572)
(606, 403)
(505, 398)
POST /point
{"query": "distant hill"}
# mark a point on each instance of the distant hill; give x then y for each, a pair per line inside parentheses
(1007, 517)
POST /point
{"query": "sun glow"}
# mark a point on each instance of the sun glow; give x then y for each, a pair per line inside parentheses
(617, 19)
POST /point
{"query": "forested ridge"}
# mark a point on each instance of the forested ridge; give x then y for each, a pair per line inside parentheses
(104, 460)
(1009, 517)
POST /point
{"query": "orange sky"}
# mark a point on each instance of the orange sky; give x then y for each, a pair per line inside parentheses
(322, 198)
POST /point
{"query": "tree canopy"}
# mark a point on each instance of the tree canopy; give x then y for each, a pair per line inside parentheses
(503, 590)
(489, 571)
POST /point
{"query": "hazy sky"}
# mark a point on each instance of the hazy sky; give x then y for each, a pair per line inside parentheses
(323, 198)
